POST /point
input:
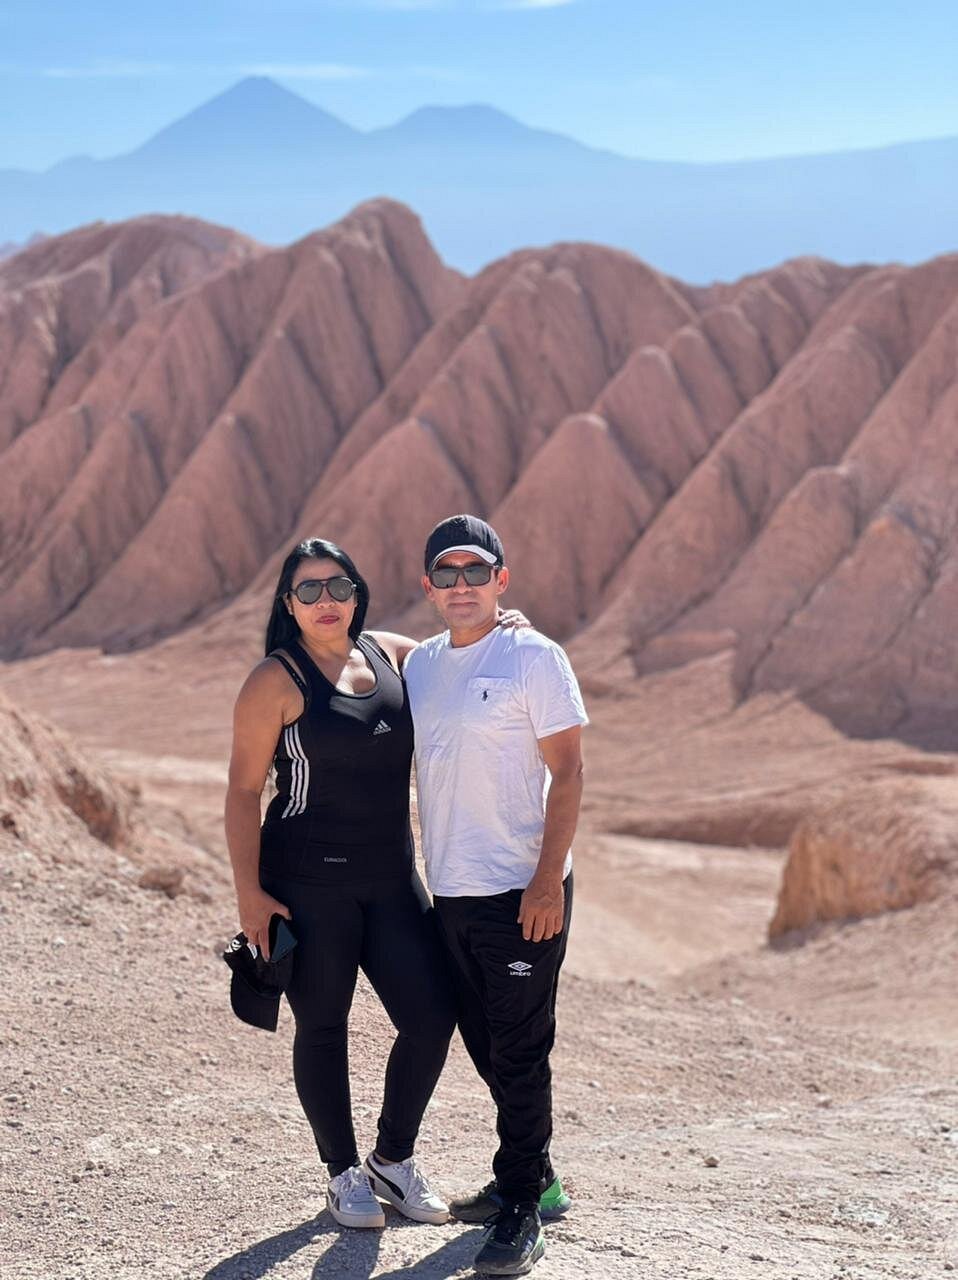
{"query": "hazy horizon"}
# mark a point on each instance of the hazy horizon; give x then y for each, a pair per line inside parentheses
(87, 154)
(732, 82)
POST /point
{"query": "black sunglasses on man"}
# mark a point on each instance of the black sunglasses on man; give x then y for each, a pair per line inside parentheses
(444, 576)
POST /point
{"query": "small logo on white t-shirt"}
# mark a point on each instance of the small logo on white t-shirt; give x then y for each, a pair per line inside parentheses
(382, 727)
(520, 969)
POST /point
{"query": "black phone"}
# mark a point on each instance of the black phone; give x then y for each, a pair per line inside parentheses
(281, 938)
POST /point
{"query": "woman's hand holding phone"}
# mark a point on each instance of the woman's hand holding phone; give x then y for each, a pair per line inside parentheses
(256, 907)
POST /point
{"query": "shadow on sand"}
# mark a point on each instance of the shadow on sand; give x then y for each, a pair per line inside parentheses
(352, 1253)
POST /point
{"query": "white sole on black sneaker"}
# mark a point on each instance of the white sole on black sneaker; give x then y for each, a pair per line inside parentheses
(393, 1196)
(347, 1219)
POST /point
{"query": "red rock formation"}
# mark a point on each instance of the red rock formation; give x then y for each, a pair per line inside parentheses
(764, 468)
(46, 785)
(879, 848)
(66, 303)
(190, 454)
(58, 805)
(816, 537)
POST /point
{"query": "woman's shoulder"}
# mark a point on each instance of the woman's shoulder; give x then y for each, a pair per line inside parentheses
(391, 645)
(272, 674)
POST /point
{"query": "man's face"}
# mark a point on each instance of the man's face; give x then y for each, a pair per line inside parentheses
(462, 607)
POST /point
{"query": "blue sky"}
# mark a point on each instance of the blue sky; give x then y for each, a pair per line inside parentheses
(679, 80)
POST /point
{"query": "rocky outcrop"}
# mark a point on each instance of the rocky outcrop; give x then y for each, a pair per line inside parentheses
(880, 847)
(45, 780)
(57, 804)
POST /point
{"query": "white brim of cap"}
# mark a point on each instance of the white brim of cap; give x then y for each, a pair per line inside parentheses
(481, 552)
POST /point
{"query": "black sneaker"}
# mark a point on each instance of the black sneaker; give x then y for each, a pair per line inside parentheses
(482, 1204)
(512, 1243)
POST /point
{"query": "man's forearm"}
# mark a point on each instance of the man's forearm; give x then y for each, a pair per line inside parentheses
(561, 818)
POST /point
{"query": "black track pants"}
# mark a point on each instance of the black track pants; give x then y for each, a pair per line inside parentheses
(388, 930)
(506, 989)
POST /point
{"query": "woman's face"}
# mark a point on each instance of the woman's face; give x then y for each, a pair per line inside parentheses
(326, 620)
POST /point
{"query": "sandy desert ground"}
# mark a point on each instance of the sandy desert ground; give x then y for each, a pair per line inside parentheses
(723, 1109)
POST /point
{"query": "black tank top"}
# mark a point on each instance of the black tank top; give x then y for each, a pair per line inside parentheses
(341, 810)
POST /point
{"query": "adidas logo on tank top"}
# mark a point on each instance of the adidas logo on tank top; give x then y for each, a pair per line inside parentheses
(382, 727)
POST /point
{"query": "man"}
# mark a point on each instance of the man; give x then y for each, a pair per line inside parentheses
(498, 718)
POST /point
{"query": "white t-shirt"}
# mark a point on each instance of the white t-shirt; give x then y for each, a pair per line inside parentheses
(478, 712)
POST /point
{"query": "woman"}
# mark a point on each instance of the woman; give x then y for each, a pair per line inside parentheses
(328, 708)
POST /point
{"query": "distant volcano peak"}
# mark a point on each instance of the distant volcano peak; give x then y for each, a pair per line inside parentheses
(474, 120)
(254, 110)
(466, 112)
(476, 125)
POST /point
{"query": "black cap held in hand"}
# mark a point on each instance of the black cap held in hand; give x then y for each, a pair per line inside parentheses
(464, 533)
(258, 984)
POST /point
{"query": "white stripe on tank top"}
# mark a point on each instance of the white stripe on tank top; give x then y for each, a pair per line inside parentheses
(299, 775)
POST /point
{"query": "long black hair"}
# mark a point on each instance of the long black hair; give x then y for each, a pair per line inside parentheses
(282, 626)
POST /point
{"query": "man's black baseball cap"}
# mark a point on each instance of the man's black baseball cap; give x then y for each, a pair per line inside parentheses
(257, 984)
(464, 533)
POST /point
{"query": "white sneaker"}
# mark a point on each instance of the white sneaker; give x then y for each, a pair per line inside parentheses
(350, 1200)
(405, 1187)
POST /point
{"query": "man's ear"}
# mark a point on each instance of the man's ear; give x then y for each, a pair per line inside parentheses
(426, 586)
(502, 580)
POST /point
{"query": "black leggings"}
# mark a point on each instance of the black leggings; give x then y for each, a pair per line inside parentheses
(388, 929)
